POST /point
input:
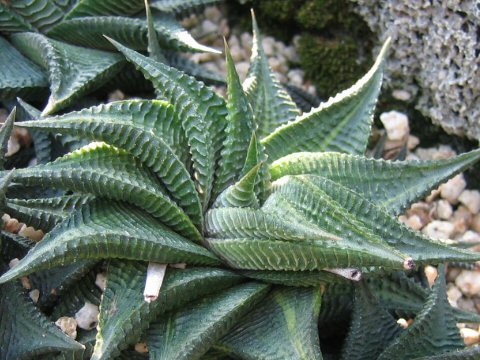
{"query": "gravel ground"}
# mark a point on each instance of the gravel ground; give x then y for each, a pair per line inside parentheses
(450, 213)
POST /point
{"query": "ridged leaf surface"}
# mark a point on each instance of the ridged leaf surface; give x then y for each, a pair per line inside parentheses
(110, 230)
(372, 328)
(284, 326)
(18, 75)
(395, 185)
(190, 332)
(271, 104)
(181, 6)
(85, 8)
(202, 112)
(124, 314)
(72, 71)
(239, 129)
(341, 124)
(148, 129)
(89, 31)
(24, 331)
(41, 14)
(433, 331)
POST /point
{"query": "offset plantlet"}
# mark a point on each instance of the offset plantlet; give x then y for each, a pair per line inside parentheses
(284, 225)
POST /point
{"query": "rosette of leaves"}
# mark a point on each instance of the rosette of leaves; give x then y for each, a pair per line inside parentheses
(276, 214)
(60, 46)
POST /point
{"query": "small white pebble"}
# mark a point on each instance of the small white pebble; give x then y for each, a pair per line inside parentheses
(13, 146)
(440, 230)
(268, 45)
(476, 223)
(414, 222)
(452, 189)
(468, 282)
(444, 210)
(412, 142)
(403, 323)
(453, 294)
(470, 336)
(471, 199)
(209, 27)
(141, 348)
(30, 233)
(101, 281)
(87, 316)
(402, 95)
(34, 295)
(396, 124)
(212, 13)
(470, 236)
(13, 263)
(178, 266)
(68, 325)
(431, 273)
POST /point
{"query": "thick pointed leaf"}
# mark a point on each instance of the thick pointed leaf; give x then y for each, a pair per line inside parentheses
(271, 104)
(11, 22)
(436, 320)
(24, 331)
(181, 6)
(13, 245)
(271, 254)
(295, 278)
(393, 184)
(47, 212)
(283, 326)
(41, 14)
(190, 332)
(124, 314)
(239, 129)
(150, 130)
(89, 31)
(376, 221)
(75, 297)
(18, 75)
(111, 173)
(297, 197)
(154, 50)
(240, 194)
(341, 124)
(257, 224)
(52, 283)
(372, 328)
(202, 112)
(43, 142)
(5, 133)
(73, 71)
(110, 230)
(86, 8)
(256, 155)
(405, 297)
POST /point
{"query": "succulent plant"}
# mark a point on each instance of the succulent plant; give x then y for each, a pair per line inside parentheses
(61, 45)
(280, 235)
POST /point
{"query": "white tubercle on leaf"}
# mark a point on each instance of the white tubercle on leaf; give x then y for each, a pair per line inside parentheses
(153, 283)
(348, 273)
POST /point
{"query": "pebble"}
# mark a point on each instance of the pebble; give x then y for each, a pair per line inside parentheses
(468, 282)
(440, 230)
(452, 189)
(68, 325)
(431, 273)
(402, 95)
(414, 222)
(470, 236)
(34, 295)
(209, 27)
(470, 336)
(403, 323)
(30, 233)
(141, 348)
(396, 124)
(87, 316)
(268, 44)
(101, 281)
(471, 199)
(412, 142)
(13, 146)
(444, 210)
(462, 218)
(10, 224)
(475, 224)
(453, 294)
